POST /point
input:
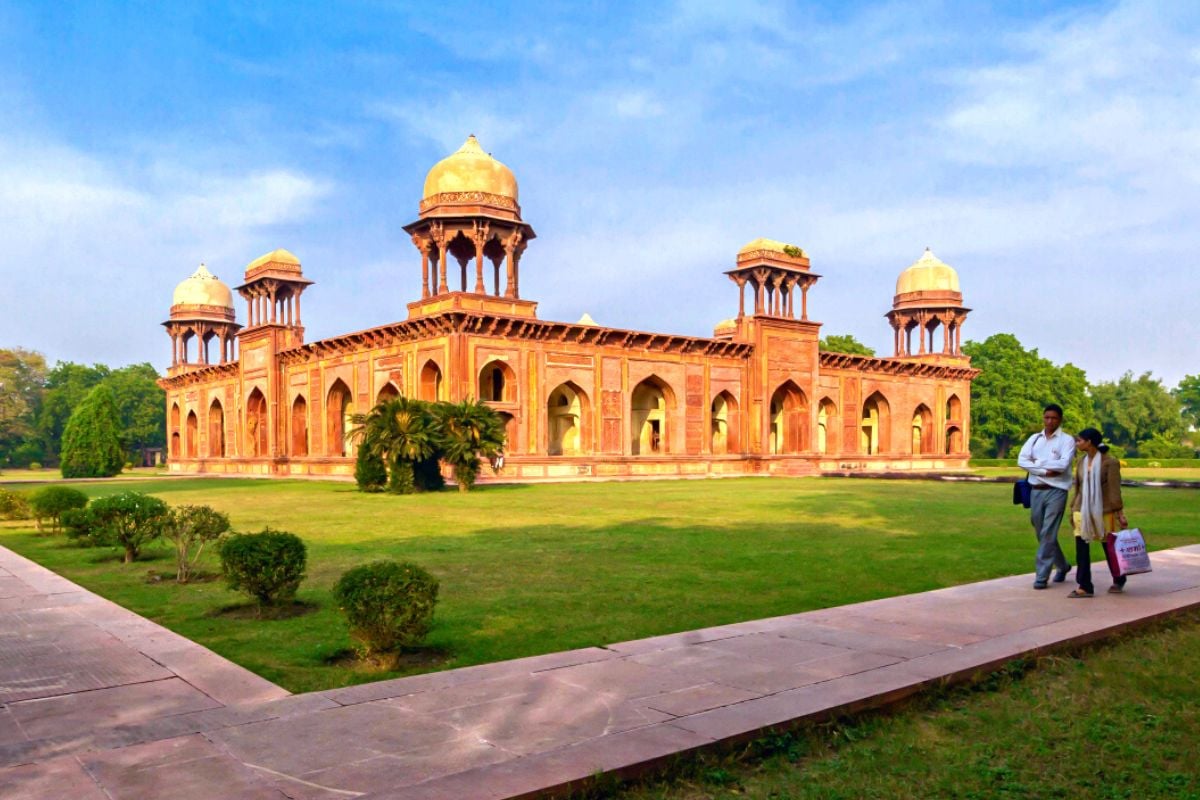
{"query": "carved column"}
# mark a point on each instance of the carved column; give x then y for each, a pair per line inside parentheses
(422, 243)
(741, 284)
(480, 235)
(511, 244)
(804, 300)
(438, 233)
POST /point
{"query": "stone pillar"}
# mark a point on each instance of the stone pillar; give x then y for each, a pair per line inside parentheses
(423, 244)
(480, 236)
(741, 284)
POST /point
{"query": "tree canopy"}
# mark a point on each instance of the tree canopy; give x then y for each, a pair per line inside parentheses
(1188, 395)
(1013, 386)
(91, 446)
(1137, 411)
(846, 343)
(22, 385)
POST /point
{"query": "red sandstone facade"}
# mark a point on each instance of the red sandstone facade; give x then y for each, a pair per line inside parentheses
(580, 400)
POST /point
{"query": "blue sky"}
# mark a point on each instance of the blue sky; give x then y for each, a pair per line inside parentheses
(1048, 151)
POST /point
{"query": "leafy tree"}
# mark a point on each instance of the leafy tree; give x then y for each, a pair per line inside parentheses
(400, 432)
(142, 404)
(845, 344)
(268, 565)
(66, 387)
(1188, 395)
(50, 503)
(22, 386)
(91, 445)
(1159, 446)
(191, 529)
(468, 429)
(1136, 410)
(1013, 387)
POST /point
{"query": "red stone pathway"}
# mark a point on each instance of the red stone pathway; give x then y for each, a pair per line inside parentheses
(96, 702)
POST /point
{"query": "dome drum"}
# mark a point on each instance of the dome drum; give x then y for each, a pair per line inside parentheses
(275, 264)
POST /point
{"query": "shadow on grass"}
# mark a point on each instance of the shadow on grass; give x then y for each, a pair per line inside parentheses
(283, 611)
(409, 661)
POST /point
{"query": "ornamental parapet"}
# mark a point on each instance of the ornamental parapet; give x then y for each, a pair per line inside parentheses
(896, 366)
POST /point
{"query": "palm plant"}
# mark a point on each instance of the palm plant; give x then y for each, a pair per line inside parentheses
(400, 432)
(469, 429)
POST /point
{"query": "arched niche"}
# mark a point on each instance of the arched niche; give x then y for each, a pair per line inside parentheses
(339, 407)
(299, 426)
(191, 439)
(256, 424)
(650, 404)
(954, 440)
(510, 430)
(922, 430)
(789, 420)
(566, 416)
(874, 435)
(175, 437)
(388, 392)
(828, 431)
(431, 382)
(497, 382)
(725, 424)
(216, 430)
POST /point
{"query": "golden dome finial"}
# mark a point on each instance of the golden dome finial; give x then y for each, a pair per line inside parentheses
(470, 169)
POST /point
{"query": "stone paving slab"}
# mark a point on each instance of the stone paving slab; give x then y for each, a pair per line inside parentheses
(96, 702)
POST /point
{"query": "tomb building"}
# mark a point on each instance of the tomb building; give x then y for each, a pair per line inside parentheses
(579, 400)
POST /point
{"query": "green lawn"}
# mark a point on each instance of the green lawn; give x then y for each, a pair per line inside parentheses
(1118, 721)
(535, 569)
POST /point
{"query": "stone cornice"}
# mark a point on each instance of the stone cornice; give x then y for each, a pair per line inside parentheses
(896, 366)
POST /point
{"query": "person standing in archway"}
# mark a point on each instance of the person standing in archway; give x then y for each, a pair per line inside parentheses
(1047, 456)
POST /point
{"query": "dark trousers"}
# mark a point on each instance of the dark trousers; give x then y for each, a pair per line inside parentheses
(1083, 565)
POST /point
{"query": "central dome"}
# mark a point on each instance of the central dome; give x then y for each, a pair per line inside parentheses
(927, 274)
(469, 169)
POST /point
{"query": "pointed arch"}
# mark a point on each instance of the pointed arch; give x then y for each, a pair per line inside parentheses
(299, 438)
(954, 441)
(497, 382)
(176, 449)
(922, 430)
(389, 391)
(216, 429)
(431, 382)
(566, 420)
(874, 436)
(789, 420)
(828, 429)
(339, 406)
(725, 424)
(191, 439)
(256, 424)
(650, 405)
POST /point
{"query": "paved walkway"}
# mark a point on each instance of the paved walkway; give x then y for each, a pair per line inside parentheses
(98, 703)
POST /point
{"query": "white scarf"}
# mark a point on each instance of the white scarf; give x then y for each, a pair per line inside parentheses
(1091, 509)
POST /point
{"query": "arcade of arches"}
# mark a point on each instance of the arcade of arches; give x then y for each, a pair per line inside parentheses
(577, 400)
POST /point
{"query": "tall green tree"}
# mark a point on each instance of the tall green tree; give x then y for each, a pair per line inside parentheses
(1188, 395)
(67, 385)
(142, 404)
(468, 429)
(22, 388)
(1134, 411)
(1013, 387)
(845, 344)
(91, 443)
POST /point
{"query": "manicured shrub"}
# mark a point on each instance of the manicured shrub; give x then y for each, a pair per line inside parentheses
(35, 465)
(14, 505)
(268, 566)
(370, 473)
(91, 441)
(81, 527)
(129, 520)
(49, 503)
(191, 529)
(389, 605)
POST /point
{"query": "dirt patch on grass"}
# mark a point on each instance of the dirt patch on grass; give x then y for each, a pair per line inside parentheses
(155, 576)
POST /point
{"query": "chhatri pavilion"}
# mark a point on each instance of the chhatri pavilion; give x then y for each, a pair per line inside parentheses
(579, 399)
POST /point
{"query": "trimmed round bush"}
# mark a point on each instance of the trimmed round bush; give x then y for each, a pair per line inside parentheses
(128, 520)
(389, 604)
(49, 503)
(14, 505)
(268, 565)
(35, 465)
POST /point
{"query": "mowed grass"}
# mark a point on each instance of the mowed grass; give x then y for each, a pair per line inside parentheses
(1117, 721)
(534, 569)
